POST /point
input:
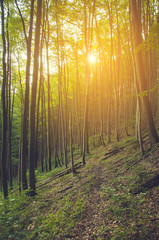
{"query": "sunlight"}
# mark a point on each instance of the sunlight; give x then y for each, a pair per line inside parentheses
(92, 58)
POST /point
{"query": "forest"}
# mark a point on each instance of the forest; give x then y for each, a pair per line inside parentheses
(79, 130)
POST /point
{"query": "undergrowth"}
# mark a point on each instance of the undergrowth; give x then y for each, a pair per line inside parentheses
(23, 217)
(60, 206)
(13, 211)
(63, 220)
(127, 214)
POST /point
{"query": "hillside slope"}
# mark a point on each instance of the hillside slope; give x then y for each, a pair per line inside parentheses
(115, 196)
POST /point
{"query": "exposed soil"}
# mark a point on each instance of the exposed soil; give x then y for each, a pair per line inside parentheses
(87, 228)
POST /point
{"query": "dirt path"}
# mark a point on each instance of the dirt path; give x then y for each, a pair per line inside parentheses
(88, 226)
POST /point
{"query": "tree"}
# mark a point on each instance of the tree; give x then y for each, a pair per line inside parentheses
(26, 101)
(48, 94)
(4, 109)
(140, 70)
(71, 149)
(33, 102)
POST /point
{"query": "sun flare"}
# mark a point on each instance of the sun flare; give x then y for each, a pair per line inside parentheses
(92, 58)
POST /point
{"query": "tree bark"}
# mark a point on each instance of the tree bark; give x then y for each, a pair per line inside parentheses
(4, 109)
(26, 100)
(48, 93)
(71, 149)
(33, 102)
(111, 75)
(10, 106)
(140, 71)
(85, 124)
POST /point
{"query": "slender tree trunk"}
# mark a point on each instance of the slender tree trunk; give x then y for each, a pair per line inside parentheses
(78, 102)
(117, 99)
(101, 65)
(62, 126)
(101, 104)
(60, 110)
(45, 129)
(4, 109)
(138, 127)
(40, 98)
(10, 112)
(10, 107)
(19, 166)
(85, 125)
(56, 143)
(42, 128)
(111, 73)
(48, 93)
(20, 149)
(66, 82)
(37, 122)
(26, 100)
(71, 149)
(33, 102)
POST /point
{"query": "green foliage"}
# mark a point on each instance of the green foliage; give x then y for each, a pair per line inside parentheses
(129, 141)
(13, 212)
(16, 123)
(147, 92)
(40, 176)
(95, 141)
(64, 219)
(152, 41)
(140, 175)
(127, 213)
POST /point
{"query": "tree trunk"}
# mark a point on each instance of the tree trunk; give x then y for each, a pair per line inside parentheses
(101, 103)
(33, 102)
(4, 109)
(26, 100)
(111, 74)
(77, 100)
(10, 106)
(71, 149)
(42, 128)
(48, 93)
(66, 82)
(85, 125)
(40, 97)
(140, 71)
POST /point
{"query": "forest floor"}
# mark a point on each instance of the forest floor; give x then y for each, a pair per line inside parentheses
(114, 196)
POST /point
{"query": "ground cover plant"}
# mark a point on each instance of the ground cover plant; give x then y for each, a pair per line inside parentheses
(103, 200)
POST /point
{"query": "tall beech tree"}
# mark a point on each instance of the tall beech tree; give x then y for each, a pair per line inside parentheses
(40, 98)
(140, 70)
(33, 102)
(4, 108)
(25, 123)
(87, 78)
(109, 104)
(48, 87)
(9, 104)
